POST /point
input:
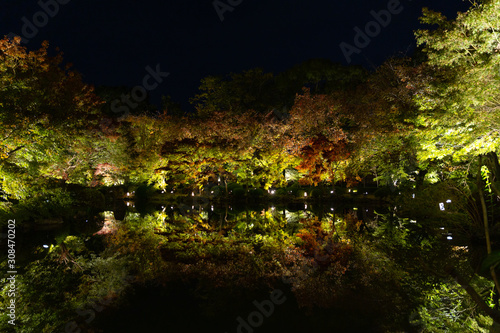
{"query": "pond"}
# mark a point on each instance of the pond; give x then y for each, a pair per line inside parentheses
(192, 265)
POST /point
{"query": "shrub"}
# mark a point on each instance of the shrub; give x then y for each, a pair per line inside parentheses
(218, 190)
(233, 186)
(316, 193)
(299, 193)
(281, 191)
(239, 192)
(294, 189)
(91, 197)
(256, 193)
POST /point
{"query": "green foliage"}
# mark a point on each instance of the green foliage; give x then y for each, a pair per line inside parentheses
(233, 186)
(92, 198)
(256, 193)
(239, 192)
(300, 193)
(294, 189)
(46, 202)
(384, 191)
(282, 192)
(491, 261)
(43, 311)
(460, 105)
(447, 308)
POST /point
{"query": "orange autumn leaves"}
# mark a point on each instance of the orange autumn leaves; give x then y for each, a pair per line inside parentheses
(317, 126)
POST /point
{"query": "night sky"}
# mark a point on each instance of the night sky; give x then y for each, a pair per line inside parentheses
(111, 42)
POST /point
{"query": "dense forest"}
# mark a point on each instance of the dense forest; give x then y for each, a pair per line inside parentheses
(415, 133)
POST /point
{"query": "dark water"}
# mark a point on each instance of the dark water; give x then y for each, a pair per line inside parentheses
(194, 304)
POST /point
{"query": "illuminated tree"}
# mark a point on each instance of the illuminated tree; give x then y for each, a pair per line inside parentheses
(460, 108)
(385, 113)
(461, 104)
(46, 112)
(318, 137)
(236, 94)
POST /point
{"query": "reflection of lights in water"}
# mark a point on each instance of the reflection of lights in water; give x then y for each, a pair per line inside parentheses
(45, 246)
(449, 238)
(448, 201)
(109, 225)
(441, 206)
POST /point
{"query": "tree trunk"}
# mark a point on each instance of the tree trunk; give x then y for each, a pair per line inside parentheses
(480, 186)
(495, 315)
(494, 171)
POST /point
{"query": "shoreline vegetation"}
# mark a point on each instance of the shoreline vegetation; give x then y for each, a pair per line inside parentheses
(251, 177)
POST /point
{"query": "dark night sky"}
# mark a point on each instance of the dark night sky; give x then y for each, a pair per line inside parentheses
(112, 41)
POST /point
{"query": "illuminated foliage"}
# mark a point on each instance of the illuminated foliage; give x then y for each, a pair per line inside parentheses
(460, 104)
(447, 308)
(46, 117)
